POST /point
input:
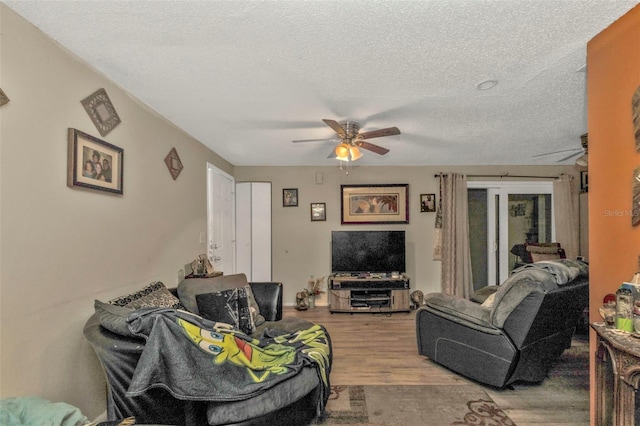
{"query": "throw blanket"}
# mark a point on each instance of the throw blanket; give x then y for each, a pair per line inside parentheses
(563, 270)
(201, 360)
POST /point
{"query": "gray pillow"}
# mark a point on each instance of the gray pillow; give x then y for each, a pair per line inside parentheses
(189, 288)
(113, 317)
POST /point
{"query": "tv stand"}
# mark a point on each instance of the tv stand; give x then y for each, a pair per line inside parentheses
(368, 293)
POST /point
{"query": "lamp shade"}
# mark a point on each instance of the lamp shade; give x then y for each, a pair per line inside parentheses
(355, 153)
(342, 152)
(583, 160)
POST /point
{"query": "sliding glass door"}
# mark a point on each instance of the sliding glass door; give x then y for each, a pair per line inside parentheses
(503, 216)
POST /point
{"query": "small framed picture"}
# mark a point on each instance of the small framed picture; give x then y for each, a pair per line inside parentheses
(290, 197)
(93, 163)
(427, 203)
(584, 181)
(318, 212)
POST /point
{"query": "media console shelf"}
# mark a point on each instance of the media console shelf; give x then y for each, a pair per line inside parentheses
(368, 294)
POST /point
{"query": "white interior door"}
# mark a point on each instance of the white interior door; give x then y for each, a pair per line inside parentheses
(221, 220)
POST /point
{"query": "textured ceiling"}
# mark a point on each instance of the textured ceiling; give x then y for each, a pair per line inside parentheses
(248, 77)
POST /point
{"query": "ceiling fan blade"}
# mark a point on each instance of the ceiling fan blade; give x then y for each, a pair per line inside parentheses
(335, 126)
(557, 152)
(389, 131)
(570, 156)
(371, 147)
(311, 140)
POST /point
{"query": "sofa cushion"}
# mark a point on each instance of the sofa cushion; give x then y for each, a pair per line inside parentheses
(227, 306)
(188, 289)
(482, 294)
(154, 295)
(113, 317)
(463, 309)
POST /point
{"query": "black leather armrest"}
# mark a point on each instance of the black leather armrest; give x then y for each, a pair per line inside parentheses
(268, 295)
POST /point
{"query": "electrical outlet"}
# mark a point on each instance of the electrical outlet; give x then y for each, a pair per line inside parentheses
(203, 238)
(180, 275)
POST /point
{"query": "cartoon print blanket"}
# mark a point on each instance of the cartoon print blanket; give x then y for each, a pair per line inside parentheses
(201, 360)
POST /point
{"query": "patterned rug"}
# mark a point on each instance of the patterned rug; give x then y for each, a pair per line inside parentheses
(412, 405)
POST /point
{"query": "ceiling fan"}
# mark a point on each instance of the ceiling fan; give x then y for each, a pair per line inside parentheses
(351, 140)
(584, 158)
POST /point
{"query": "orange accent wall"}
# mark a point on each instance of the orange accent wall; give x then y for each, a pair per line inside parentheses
(613, 74)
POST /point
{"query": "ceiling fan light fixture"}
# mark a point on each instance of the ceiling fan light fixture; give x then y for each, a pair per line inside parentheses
(355, 153)
(342, 152)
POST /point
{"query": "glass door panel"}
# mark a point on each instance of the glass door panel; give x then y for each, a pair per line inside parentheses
(529, 222)
(516, 213)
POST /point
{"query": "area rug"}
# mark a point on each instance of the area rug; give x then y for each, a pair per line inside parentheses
(412, 405)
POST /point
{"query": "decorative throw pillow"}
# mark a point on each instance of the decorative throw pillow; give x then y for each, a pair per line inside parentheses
(113, 317)
(228, 306)
(154, 295)
(257, 318)
(188, 289)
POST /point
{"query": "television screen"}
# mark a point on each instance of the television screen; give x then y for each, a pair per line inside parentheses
(367, 251)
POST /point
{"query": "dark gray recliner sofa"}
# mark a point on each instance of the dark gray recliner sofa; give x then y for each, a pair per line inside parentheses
(515, 337)
(294, 401)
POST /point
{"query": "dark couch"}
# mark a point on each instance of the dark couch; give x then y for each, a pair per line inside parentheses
(295, 400)
(515, 334)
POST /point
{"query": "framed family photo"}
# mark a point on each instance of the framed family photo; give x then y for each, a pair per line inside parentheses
(93, 163)
(374, 204)
(427, 203)
(318, 212)
(290, 197)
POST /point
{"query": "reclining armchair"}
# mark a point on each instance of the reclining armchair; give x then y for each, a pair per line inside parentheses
(516, 333)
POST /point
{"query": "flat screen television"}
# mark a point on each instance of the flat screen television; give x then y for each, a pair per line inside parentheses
(367, 251)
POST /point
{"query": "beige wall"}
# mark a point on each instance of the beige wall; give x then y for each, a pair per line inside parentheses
(61, 248)
(302, 248)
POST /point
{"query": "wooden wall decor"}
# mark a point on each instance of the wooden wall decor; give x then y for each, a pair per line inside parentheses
(4, 99)
(101, 110)
(635, 199)
(635, 112)
(172, 160)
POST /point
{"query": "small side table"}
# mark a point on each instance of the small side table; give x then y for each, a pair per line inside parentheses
(617, 376)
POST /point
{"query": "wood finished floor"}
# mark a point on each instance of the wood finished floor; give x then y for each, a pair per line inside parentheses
(381, 349)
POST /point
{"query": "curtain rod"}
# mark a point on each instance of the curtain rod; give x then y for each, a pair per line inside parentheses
(508, 175)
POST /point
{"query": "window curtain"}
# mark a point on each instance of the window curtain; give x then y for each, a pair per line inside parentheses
(456, 278)
(565, 215)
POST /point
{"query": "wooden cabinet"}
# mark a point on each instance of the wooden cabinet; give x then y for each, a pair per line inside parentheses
(348, 294)
(617, 377)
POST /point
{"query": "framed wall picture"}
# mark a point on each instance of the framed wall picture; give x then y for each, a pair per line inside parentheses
(93, 163)
(427, 203)
(290, 197)
(374, 204)
(584, 181)
(318, 212)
